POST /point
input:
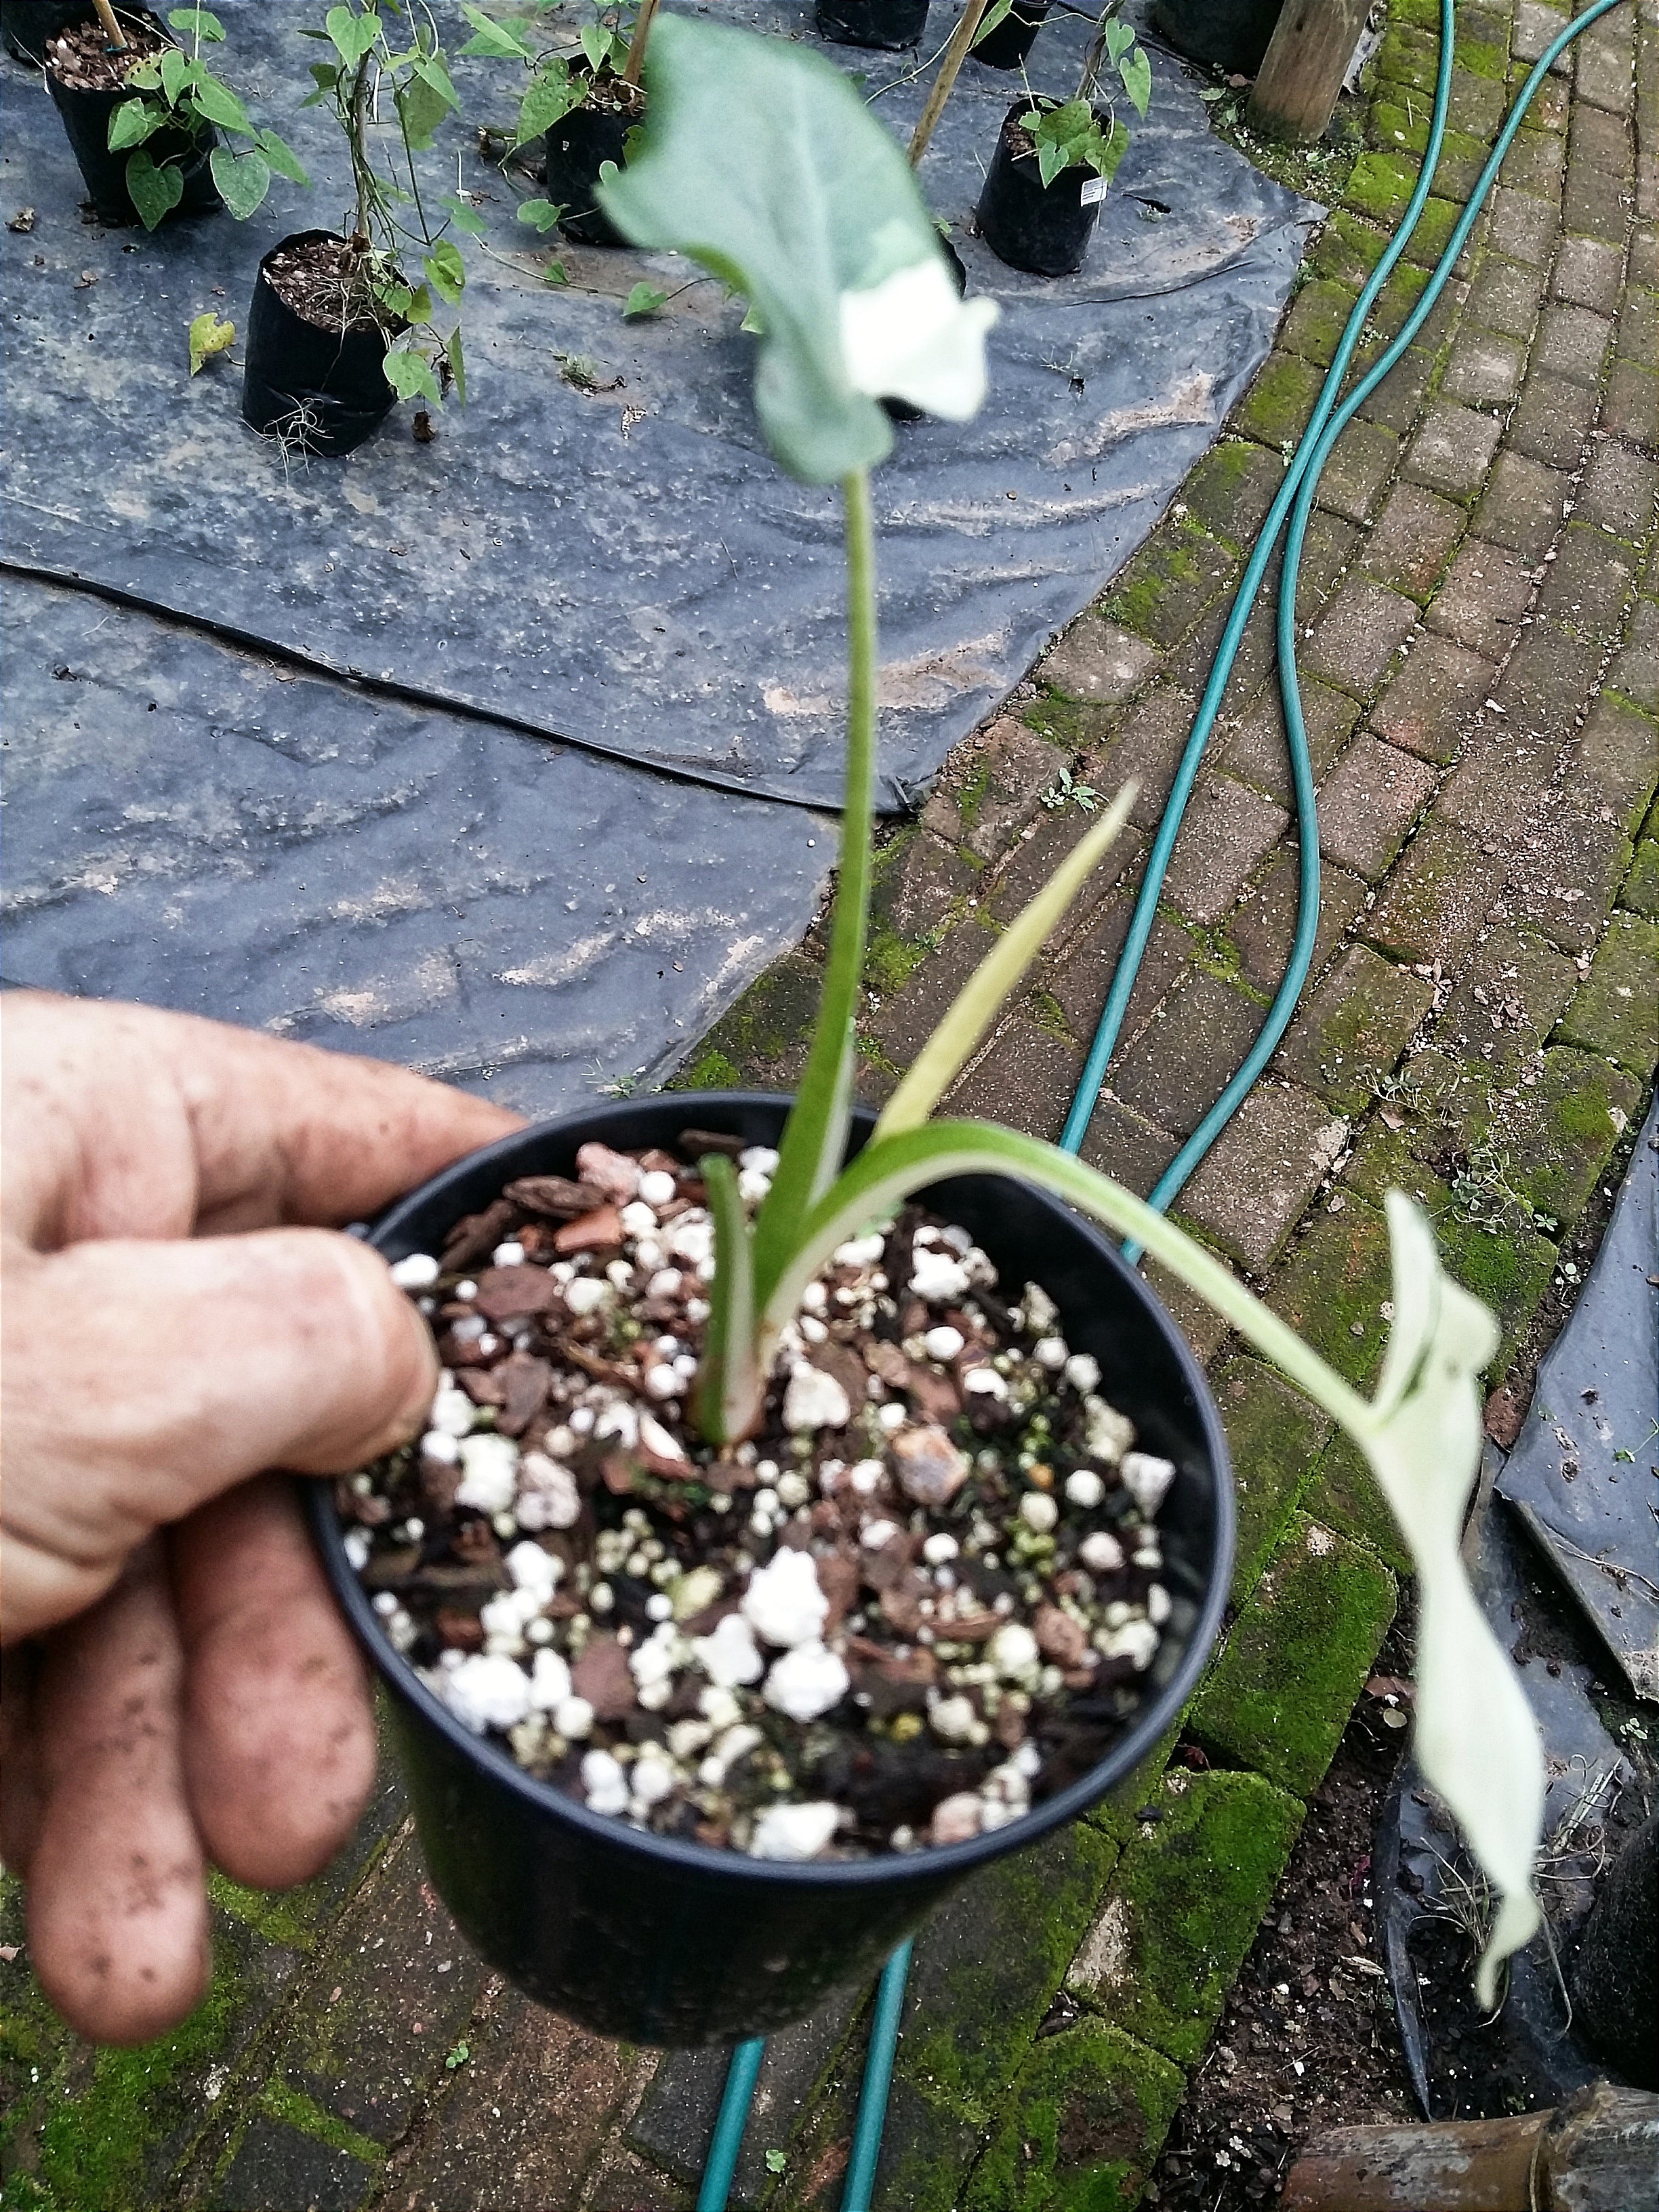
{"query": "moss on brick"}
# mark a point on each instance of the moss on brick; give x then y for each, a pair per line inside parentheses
(773, 1018)
(1407, 56)
(1381, 185)
(1184, 1906)
(1280, 1696)
(1639, 892)
(1276, 408)
(986, 1970)
(1082, 2127)
(1348, 248)
(1332, 1287)
(1559, 1132)
(1343, 1495)
(1231, 489)
(283, 2102)
(1614, 1012)
(1166, 586)
(1275, 1436)
(1483, 57)
(1318, 316)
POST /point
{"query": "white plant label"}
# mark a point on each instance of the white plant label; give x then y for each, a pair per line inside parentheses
(1094, 190)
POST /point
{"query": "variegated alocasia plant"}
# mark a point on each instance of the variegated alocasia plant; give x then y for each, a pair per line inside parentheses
(811, 212)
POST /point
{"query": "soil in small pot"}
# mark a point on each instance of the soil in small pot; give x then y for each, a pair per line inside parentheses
(87, 80)
(1009, 45)
(887, 25)
(316, 343)
(920, 1598)
(1044, 228)
(578, 147)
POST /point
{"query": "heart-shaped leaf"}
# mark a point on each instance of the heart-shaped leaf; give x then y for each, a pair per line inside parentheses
(1136, 72)
(548, 99)
(539, 214)
(156, 191)
(243, 180)
(134, 121)
(643, 299)
(353, 35)
(197, 24)
(445, 271)
(410, 375)
(810, 200)
(283, 158)
(494, 40)
(219, 104)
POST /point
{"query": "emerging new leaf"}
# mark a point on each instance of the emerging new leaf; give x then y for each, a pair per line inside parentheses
(810, 211)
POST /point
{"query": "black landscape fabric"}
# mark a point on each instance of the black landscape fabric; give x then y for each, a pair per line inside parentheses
(200, 827)
(597, 548)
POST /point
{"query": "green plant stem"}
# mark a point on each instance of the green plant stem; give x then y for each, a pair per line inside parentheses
(815, 1136)
(885, 1174)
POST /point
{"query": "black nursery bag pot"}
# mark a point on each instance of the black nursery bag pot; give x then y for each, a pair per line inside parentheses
(87, 115)
(27, 25)
(1230, 34)
(325, 388)
(1009, 45)
(653, 1940)
(1042, 228)
(888, 25)
(578, 147)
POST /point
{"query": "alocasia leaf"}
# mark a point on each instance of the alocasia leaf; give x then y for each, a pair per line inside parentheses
(810, 200)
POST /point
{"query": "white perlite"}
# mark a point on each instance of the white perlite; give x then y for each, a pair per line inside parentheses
(806, 1682)
(783, 1602)
(489, 1472)
(603, 1783)
(1147, 1479)
(418, 1272)
(794, 1832)
(815, 1401)
(548, 1496)
(938, 1277)
(487, 1691)
(729, 1657)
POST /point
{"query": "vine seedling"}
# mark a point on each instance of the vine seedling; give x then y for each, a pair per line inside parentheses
(176, 91)
(392, 220)
(813, 214)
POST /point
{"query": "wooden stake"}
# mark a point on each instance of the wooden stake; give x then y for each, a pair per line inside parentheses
(636, 62)
(1597, 2153)
(955, 53)
(112, 31)
(1302, 71)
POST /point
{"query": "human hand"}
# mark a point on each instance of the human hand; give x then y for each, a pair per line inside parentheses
(181, 1687)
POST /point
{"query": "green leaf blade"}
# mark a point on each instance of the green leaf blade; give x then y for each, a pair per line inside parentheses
(134, 121)
(353, 35)
(1136, 72)
(644, 299)
(243, 180)
(495, 41)
(156, 191)
(726, 1399)
(410, 375)
(976, 1006)
(217, 103)
(283, 158)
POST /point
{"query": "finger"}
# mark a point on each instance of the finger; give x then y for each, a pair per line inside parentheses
(20, 1764)
(279, 1738)
(124, 1120)
(144, 1379)
(117, 1899)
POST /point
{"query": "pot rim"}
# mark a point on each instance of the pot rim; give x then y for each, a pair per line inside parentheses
(138, 15)
(707, 1862)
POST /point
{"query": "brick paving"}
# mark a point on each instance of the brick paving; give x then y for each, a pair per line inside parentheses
(1481, 649)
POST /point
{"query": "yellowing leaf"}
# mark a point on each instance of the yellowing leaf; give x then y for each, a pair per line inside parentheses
(209, 335)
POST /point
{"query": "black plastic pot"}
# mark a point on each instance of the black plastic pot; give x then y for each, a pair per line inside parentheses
(1008, 46)
(1044, 228)
(656, 1941)
(86, 119)
(887, 24)
(1232, 34)
(26, 25)
(324, 390)
(900, 410)
(578, 147)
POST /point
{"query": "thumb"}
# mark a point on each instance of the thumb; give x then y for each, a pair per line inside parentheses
(145, 1378)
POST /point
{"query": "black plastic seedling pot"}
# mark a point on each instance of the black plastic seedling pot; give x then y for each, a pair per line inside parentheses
(889, 25)
(325, 390)
(1232, 34)
(1043, 228)
(656, 1941)
(578, 147)
(86, 121)
(26, 25)
(1008, 47)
